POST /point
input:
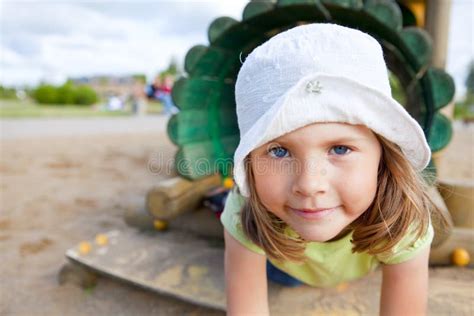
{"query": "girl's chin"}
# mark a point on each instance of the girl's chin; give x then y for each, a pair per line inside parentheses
(312, 237)
(316, 239)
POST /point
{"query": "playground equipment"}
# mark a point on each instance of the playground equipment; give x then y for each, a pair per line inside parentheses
(206, 127)
(182, 262)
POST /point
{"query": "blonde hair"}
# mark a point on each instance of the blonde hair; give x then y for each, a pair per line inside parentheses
(401, 201)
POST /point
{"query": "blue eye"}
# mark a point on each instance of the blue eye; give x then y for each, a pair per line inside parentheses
(340, 149)
(278, 152)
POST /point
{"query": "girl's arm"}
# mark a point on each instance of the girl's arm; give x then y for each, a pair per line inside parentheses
(405, 286)
(246, 279)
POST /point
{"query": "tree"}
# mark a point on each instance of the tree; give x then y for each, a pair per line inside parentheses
(464, 110)
(470, 79)
(65, 94)
(85, 95)
(173, 67)
(7, 93)
(46, 94)
(172, 70)
(141, 78)
(68, 93)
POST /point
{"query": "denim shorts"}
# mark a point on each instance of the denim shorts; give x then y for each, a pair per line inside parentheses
(276, 275)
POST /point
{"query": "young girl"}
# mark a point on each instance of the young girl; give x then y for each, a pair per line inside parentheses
(327, 174)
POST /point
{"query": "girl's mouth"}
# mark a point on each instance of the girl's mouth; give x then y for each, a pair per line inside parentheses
(313, 214)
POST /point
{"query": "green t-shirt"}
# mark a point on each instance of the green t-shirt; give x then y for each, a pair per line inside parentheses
(329, 263)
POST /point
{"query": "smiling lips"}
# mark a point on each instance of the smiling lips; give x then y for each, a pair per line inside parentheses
(313, 213)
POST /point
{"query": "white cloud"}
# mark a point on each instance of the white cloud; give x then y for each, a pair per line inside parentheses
(54, 39)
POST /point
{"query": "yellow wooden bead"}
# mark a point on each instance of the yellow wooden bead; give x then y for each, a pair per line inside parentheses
(84, 248)
(460, 257)
(228, 183)
(101, 239)
(160, 225)
(342, 287)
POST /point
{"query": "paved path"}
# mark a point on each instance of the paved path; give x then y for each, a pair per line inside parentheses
(31, 128)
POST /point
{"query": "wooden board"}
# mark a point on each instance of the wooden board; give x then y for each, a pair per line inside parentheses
(168, 262)
(182, 265)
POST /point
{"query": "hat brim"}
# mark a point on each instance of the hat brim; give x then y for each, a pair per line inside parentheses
(340, 100)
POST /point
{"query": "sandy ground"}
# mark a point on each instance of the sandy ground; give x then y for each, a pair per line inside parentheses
(59, 190)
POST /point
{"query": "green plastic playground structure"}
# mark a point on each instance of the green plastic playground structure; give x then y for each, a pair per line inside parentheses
(206, 130)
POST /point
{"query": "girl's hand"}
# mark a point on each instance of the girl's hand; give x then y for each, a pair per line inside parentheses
(246, 279)
(405, 286)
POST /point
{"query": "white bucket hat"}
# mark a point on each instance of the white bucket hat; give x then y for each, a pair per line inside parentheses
(319, 73)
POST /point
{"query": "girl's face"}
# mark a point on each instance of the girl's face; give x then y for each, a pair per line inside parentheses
(318, 178)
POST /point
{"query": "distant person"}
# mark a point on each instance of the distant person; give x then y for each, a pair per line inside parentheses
(152, 90)
(160, 90)
(138, 99)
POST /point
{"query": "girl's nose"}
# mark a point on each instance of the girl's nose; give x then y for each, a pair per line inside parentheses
(310, 179)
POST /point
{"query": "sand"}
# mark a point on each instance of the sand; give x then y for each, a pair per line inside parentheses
(59, 190)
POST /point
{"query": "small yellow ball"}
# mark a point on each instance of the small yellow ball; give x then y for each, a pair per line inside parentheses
(101, 239)
(460, 257)
(228, 183)
(84, 248)
(160, 225)
(342, 287)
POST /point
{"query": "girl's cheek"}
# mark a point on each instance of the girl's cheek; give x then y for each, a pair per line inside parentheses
(270, 179)
(271, 183)
(358, 187)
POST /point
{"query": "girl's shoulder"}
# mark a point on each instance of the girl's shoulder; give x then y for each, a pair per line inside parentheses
(230, 219)
(408, 247)
(233, 204)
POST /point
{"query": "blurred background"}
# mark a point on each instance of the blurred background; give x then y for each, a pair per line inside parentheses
(99, 55)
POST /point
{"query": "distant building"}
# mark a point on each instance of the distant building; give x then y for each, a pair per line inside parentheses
(106, 86)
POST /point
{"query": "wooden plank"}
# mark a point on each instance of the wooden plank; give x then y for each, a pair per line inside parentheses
(459, 197)
(188, 267)
(173, 263)
(177, 195)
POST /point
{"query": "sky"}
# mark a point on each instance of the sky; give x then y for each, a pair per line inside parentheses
(51, 40)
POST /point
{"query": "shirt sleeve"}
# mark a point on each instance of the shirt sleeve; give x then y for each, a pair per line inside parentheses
(408, 247)
(230, 218)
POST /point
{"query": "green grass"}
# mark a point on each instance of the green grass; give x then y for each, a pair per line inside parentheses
(154, 107)
(10, 108)
(462, 111)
